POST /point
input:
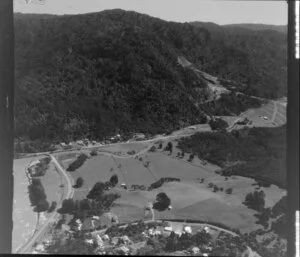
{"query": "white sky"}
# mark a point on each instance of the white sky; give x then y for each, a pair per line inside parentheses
(220, 12)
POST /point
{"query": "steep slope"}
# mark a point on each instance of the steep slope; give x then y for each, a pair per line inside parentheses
(93, 74)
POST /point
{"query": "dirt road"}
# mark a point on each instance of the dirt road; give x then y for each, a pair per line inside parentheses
(70, 191)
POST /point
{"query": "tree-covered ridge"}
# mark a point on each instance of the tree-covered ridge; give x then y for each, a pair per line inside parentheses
(258, 153)
(95, 73)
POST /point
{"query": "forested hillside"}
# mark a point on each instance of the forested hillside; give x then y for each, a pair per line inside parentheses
(92, 74)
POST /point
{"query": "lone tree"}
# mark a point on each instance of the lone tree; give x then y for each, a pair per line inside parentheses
(97, 191)
(169, 147)
(79, 182)
(229, 191)
(114, 180)
(191, 158)
(94, 152)
(52, 207)
(162, 202)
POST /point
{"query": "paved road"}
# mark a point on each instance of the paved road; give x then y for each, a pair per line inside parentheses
(70, 191)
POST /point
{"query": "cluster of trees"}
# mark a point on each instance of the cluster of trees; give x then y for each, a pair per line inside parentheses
(93, 73)
(94, 153)
(162, 202)
(78, 162)
(37, 196)
(161, 181)
(131, 230)
(97, 200)
(70, 244)
(32, 146)
(260, 154)
(88, 207)
(255, 200)
(218, 124)
(138, 187)
(267, 247)
(40, 168)
(230, 104)
(169, 147)
(216, 188)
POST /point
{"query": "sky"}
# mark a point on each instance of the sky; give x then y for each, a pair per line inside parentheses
(217, 11)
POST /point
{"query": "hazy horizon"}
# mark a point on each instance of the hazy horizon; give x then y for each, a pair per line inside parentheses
(219, 12)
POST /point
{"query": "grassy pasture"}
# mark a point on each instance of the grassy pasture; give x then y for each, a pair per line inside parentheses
(190, 199)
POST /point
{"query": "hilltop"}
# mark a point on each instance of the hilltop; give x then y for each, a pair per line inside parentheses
(252, 26)
(98, 73)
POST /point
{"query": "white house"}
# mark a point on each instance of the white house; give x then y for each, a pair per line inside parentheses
(89, 241)
(40, 248)
(105, 237)
(195, 250)
(96, 218)
(187, 229)
(124, 249)
(170, 229)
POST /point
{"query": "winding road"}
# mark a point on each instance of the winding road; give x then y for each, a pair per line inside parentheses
(70, 191)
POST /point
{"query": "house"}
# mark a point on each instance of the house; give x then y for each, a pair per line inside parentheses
(139, 136)
(96, 218)
(65, 227)
(105, 237)
(156, 232)
(125, 250)
(89, 241)
(206, 229)
(170, 229)
(80, 142)
(115, 241)
(78, 221)
(187, 229)
(124, 185)
(170, 207)
(177, 232)
(90, 224)
(63, 144)
(126, 240)
(195, 250)
(99, 240)
(40, 248)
